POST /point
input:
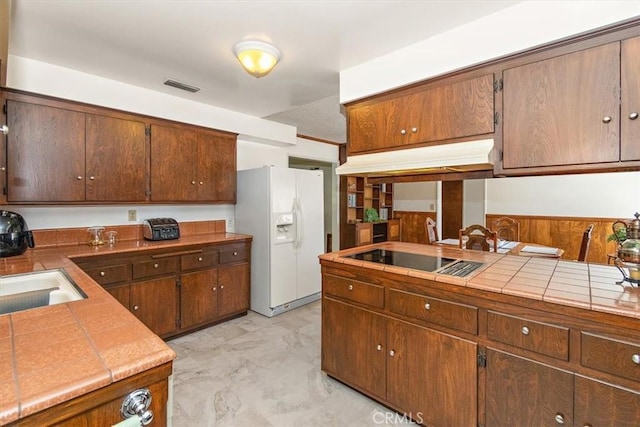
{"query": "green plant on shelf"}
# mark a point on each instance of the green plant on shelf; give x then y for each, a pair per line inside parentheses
(371, 215)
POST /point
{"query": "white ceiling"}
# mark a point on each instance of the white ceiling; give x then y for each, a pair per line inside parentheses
(143, 42)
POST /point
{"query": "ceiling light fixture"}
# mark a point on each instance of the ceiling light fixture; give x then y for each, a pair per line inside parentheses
(257, 57)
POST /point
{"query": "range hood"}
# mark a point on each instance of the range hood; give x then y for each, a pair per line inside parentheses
(460, 157)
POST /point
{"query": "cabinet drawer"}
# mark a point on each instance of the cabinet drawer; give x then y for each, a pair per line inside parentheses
(611, 356)
(364, 293)
(235, 253)
(444, 313)
(543, 338)
(156, 267)
(201, 260)
(110, 273)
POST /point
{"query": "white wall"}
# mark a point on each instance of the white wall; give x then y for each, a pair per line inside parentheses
(474, 197)
(414, 196)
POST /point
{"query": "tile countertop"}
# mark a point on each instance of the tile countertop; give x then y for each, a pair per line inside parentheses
(569, 283)
(49, 355)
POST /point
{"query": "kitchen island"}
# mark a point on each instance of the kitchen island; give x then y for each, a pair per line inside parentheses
(517, 341)
(74, 362)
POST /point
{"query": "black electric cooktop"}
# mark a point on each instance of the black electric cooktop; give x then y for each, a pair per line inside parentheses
(452, 266)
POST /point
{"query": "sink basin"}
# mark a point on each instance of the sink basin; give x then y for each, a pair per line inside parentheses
(43, 288)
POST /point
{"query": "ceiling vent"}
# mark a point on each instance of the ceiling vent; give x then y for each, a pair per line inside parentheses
(180, 85)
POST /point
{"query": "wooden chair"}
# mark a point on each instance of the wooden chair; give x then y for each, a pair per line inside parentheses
(584, 246)
(507, 229)
(478, 238)
(431, 230)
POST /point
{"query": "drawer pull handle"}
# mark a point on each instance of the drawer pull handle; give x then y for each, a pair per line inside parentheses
(221, 286)
(379, 347)
(102, 274)
(392, 353)
(200, 259)
(606, 119)
(636, 359)
(214, 289)
(235, 253)
(414, 130)
(525, 330)
(350, 287)
(135, 308)
(427, 306)
(559, 418)
(403, 132)
(633, 116)
(156, 265)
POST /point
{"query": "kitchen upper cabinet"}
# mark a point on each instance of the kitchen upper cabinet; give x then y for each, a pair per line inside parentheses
(630, 122)
(116, 164)
(521, 392)
(565, 110)
(62, 155)
(456, 110)
(192, 165)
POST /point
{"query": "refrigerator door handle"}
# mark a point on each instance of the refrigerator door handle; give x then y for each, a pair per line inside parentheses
(298, 212)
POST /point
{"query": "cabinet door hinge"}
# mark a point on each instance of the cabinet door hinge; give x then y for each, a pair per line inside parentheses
(497, 85)
(4, 191)
(4, 109)
(178, 323)
(482, 359)
(178, 282)
(501, 155)
(496, 118)
(147, 130)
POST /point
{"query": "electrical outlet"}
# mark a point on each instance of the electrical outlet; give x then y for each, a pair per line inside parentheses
(133, 215)
(432, 207)
(231, 224)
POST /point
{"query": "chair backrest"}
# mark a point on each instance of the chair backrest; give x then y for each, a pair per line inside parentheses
(506, 228)
(584, 246)
(478, 238)
(431, 230)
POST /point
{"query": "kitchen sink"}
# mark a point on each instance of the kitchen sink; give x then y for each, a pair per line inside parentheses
(43, 288)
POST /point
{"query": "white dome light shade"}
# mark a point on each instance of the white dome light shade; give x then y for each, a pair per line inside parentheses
(257, 57)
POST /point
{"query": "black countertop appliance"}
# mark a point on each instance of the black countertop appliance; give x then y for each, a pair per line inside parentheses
(15, 237)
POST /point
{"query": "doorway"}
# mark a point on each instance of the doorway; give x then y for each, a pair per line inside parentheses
(330, 198)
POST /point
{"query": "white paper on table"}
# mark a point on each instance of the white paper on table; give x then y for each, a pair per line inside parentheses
(540, 250)
(455, 242)
(505, 244)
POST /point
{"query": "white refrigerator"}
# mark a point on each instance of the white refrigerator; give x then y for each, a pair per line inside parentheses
(283, 209)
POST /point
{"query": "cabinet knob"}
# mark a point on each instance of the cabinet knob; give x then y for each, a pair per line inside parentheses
(350, 287)
(636, 359)
(559, 418)
(414, 130)
(235, 253)
(201, 182)
(156, 265)
(379, 347)
(214, 289)
(92, 178)
(4, 130)
(102, 274)
(606, 119)
(525, 330)
(403, 132)
(221, 287)
(138, 403)
(135, 308)
(427, 306)
(392, 353)
(633, 115)
(199, 259)
(3, 169)
(193, 183)
(79, 177)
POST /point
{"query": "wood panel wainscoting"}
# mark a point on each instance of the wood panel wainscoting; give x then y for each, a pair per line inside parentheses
(412, 229)
(565, 233)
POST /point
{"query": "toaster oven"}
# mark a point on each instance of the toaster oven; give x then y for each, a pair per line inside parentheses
(160, 229)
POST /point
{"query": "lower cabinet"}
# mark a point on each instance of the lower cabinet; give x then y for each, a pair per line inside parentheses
(176, 291)
(600, 404)
(430, 376)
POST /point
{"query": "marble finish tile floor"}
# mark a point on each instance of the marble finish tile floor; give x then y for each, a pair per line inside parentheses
(259, 371)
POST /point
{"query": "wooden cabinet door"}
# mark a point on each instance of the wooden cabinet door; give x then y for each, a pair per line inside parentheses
(216, 167)
(630, 126)
(199, 298)
(393, 229)
(432, 375)
(115, 159)
(173, 164)
(520, 392)
(233, 282)
(45, 154)
(354, 346)
(364, 233)
(563, 110)
(378, 125)
(154, 302)
(122, 294)
(453, 111)
(600, 404)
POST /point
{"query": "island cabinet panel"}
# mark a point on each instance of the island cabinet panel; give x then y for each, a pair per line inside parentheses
(563, 111)
(431, 114)
(178, 290)
(190, 164)
(610, 355)
(115, 159)
(431, 376)
(601, 404)
(521, 392)
(45, 153)
(630, 111)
